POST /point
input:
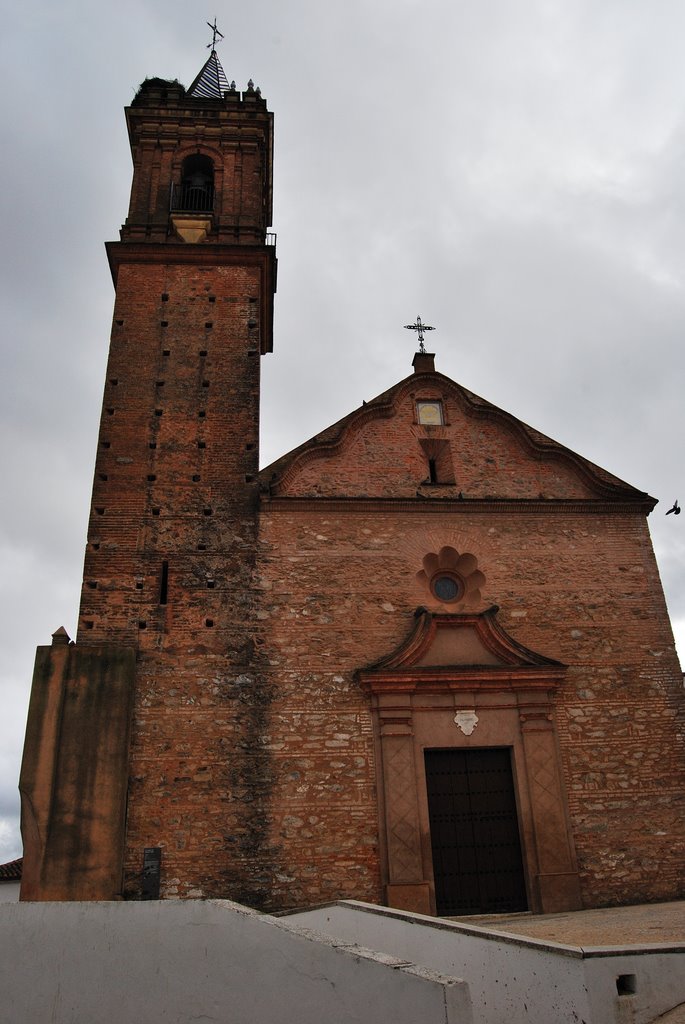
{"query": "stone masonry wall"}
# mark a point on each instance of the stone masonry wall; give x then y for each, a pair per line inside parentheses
(339, 590)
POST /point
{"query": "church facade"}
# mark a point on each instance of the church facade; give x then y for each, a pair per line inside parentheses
(423, 660)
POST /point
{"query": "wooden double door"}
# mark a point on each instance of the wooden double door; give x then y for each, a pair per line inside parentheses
(475, 840)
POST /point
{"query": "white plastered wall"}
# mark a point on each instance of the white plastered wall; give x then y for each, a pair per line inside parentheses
(175, 962)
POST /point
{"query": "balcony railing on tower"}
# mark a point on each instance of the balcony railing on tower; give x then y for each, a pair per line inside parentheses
(188, 198)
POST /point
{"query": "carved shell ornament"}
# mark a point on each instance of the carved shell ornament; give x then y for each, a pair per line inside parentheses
(451, 580)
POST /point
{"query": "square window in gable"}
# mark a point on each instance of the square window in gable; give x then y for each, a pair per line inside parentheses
(429, 412)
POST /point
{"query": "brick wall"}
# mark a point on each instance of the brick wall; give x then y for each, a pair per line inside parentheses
(169, 564)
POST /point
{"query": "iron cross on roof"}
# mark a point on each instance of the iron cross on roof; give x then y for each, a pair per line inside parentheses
(215, 33)
(418, 326)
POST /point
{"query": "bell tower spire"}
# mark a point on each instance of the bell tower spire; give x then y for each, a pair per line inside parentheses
(165, 618)
(202, 161)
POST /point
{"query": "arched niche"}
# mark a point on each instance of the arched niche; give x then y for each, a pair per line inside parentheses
(195, 193)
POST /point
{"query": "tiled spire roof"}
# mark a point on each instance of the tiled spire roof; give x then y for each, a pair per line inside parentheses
(211, 83)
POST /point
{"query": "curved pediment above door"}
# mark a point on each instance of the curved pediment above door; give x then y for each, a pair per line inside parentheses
(450, 650)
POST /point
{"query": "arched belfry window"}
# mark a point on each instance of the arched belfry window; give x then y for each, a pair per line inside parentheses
(195, 194)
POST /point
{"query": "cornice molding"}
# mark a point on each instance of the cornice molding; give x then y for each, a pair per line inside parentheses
(640, 505)
(206, 254)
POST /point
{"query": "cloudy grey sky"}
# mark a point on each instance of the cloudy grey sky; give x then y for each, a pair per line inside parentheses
(511, 170)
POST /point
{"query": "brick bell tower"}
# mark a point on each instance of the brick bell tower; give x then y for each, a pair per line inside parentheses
(142, 736)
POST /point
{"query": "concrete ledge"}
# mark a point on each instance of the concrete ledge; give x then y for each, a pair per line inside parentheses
(516, 978)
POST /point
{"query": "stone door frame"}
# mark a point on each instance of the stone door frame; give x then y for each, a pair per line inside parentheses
(417, 694)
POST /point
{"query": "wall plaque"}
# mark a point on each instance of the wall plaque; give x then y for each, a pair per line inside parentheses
(466, 721)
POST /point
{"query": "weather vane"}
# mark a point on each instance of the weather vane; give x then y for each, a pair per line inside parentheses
(418, 326)
(215, 33)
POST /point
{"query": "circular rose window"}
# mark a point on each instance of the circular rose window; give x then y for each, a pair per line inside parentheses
(451, 579)
(446, 587)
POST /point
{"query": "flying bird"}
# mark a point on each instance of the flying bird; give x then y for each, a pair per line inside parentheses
(675, 508)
